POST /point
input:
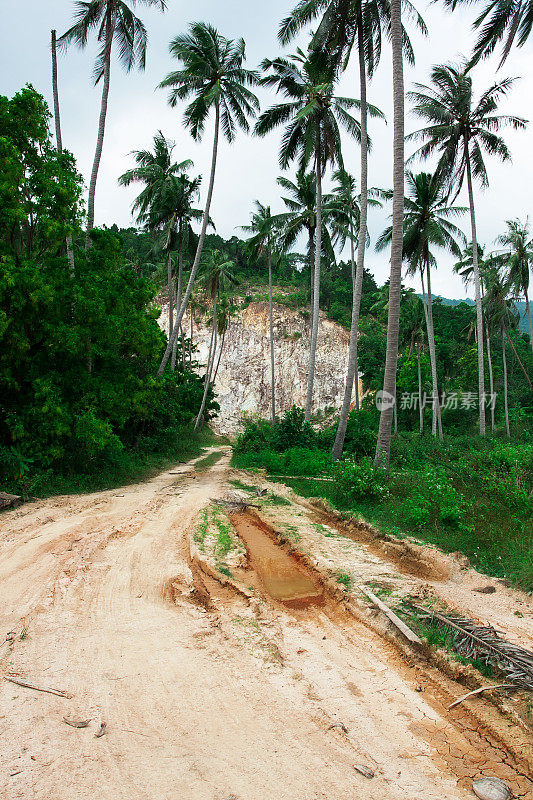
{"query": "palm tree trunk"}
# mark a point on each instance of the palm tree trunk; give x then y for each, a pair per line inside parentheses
(199, 248)
(433, 358)
(219, 355)
(528, 309)
(505, 399)
(209, 366)
(170, 292)
(311, 274)
(316, 289)
(59, 138)
(109, 32)
(382, 456)
(190, 340)
(272, 371)
(491, 379)
(477, 285)
(420, 409)
(357, 279)
(513, 348)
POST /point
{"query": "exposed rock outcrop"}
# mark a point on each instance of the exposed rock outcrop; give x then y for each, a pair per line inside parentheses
(243, 380)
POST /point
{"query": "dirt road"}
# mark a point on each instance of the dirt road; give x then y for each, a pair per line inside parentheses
(206, 694)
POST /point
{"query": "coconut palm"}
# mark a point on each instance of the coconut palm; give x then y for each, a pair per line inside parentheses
(152, 206)
(262, 227)
(59, 138)
(517, 257)
(427, 225)
(300, 218)
(345, 212)
(217, 275)
(312, 115)
(113, 21)
(501, 21)
(213, 74)
(486, 267)
(412, 325)
(382, 456)
(460, 131)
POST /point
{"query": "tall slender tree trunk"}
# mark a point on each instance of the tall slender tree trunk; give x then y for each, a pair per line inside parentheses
(109, 33)
(59, 138)
(477, 285)
(491, 380)
(192, 332)
(513, 348)
(272, 370)
(316, 289)
(528, 309)
(382, 456)
(178, 303)
(505, 398)
(420, 409)
(170, 292)
(219, 355)
(357, 279)
(209, 366)
(436, 421)
(199, 248)
(311, 273)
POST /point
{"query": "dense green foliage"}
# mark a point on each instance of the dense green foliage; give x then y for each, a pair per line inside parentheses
(78, 350)
(467, 494)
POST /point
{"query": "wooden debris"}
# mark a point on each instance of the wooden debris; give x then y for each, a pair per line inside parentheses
(362, 769)
(492, 789)
(29, 685)
(392, 617)
(340, 725)
(101, 730)
(240, 505)
(301, 478)
(482, 689)
(9, 500)
(76, 723)
(485, 589)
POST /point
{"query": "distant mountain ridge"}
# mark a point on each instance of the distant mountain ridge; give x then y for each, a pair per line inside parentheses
(520, 304)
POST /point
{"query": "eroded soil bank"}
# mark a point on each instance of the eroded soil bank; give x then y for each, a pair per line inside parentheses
(272, 688)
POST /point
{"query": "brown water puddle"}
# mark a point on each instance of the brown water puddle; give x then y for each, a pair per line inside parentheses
(281, 575)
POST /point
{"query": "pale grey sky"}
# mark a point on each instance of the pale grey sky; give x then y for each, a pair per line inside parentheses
(248, 169)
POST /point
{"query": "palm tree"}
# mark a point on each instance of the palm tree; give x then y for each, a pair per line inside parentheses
(218, 272)
(382, 456)
(214, 76)
(59, 138)
(413, 321)
(261, 228)
(345, 211)
(427, 224)
(312, 116)
(465, 269)
(113, 21)
(503, 21)
(460, 131)
(155, 204)
(518, 258)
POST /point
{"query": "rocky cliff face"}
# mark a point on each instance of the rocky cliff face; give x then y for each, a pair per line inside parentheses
(243, 381)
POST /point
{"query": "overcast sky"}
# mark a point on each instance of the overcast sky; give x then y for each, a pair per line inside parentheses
(248, 169)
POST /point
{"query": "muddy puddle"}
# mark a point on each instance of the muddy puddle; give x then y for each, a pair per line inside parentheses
(281, 575)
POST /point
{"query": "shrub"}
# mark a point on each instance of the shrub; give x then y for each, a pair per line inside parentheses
(360, 480)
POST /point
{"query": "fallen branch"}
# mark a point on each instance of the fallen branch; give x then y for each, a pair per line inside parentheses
(396, 621)
(301, 478)
(76, 723)
(483, 689)
(241, 504)
(28, 685)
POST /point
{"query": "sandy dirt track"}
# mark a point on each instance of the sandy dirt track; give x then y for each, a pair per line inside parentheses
(231, 701)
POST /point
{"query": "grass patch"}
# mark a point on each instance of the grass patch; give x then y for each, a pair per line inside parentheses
(203, 529)
(208, 461)
(244, 487)
(344, 578)
(276, 500)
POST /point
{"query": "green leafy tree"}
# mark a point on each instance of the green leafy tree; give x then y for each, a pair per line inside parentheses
(212, 74)
(113, 21)
(517, 258)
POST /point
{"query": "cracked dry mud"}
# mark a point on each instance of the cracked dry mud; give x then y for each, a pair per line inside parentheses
(210, 691)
